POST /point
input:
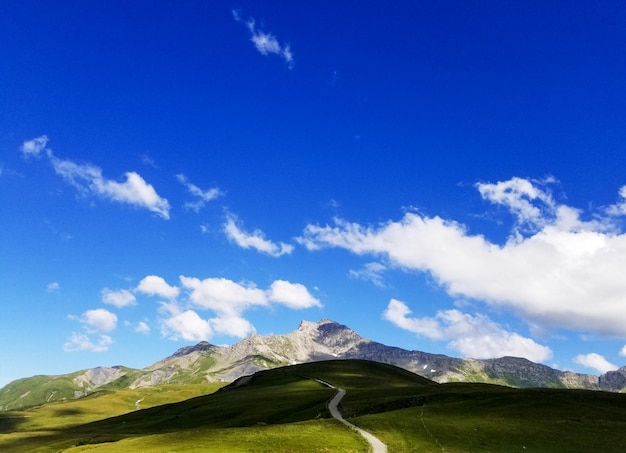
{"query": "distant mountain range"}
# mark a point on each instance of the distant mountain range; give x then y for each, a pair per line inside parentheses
(312, 341)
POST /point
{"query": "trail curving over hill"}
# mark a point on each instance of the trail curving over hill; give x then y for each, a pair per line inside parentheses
(377, 445)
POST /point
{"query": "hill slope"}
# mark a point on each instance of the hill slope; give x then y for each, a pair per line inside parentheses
(323, 340)
(284, 410)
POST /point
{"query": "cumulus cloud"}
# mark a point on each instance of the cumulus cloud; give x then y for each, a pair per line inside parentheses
(202, 196)
(120, 298)
(34, 147)
(292, 295)
(154, 285)
(255, 240)
(595, 362)
(266, 43)
(222, 295)
(188, 326)
(472, 335)
(231, 325)
(566, 274)
(622, 351)
(371, 272)
(96, 324)
(99, 320)
(227, 301)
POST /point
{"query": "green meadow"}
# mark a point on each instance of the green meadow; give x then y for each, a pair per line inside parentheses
(284, 410)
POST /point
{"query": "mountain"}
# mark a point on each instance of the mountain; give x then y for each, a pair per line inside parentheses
(312, 341)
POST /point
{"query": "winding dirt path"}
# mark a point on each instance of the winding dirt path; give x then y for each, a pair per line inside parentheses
(377, 445)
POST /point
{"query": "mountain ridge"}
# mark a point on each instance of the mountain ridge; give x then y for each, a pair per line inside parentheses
(311, 341)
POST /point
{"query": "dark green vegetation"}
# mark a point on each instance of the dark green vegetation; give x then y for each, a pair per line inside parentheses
(284, 410)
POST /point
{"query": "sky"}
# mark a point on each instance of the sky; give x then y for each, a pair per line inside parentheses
(442, 176)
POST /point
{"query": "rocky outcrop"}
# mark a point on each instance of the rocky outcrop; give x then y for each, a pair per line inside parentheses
(614, 381)
(312, 341)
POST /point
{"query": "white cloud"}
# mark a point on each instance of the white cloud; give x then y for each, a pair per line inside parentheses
(99, 320)
(228, 301)
(223, 296)
(528, 203)
(595, 362)
(53, 287)
(82, 342)
(154, 285)
(619, 209)
(120, 298)
(234, 326)
(188, 326)
(568, 274)
(96, 324)
(622, 351)
(34, 147)
(134, 190)
(472, 335)
(255, 240)
(266, 43)
(142, 327)
(88, 180)
(292, 295)
(203, 196)
(371, 272)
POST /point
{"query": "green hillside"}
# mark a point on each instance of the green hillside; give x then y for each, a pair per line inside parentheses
(284, 410)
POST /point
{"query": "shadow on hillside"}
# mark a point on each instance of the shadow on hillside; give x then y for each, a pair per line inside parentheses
(10, 423)
(66, 412)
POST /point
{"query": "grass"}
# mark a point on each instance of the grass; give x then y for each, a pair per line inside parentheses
(284, 410)
(486, 418)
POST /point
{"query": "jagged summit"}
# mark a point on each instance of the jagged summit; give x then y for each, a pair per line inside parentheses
(202, 346)
(311, 341)
(310, 325)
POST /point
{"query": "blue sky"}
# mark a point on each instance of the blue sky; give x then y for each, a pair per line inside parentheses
(440, 176)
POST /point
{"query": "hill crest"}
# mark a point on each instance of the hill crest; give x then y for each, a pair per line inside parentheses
(310, 342)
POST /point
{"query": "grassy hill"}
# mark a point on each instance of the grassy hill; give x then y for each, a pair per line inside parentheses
(284, 410)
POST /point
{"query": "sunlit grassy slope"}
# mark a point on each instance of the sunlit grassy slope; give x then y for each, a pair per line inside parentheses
(284, 410)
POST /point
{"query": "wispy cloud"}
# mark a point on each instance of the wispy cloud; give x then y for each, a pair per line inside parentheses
(96, 325)
(82, 342)
(142, 328)
(120, 298)
(34, 147)
(53, 287)
(202, 196)
(134, 190)
(255, 240)
(154, 285)
(472, 335)
(595, 362)
(88, 180)
(371, 272)
(266, 43)
(559, 272)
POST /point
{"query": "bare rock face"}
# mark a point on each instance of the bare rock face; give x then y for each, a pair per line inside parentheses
(614, 381)
(312, 341)
(97, 377)
(327, 340)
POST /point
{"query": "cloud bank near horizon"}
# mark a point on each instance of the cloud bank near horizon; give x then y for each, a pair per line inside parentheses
(555, 271)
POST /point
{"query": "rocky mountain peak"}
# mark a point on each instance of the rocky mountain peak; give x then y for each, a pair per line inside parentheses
(613, 381)
(200, 347)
